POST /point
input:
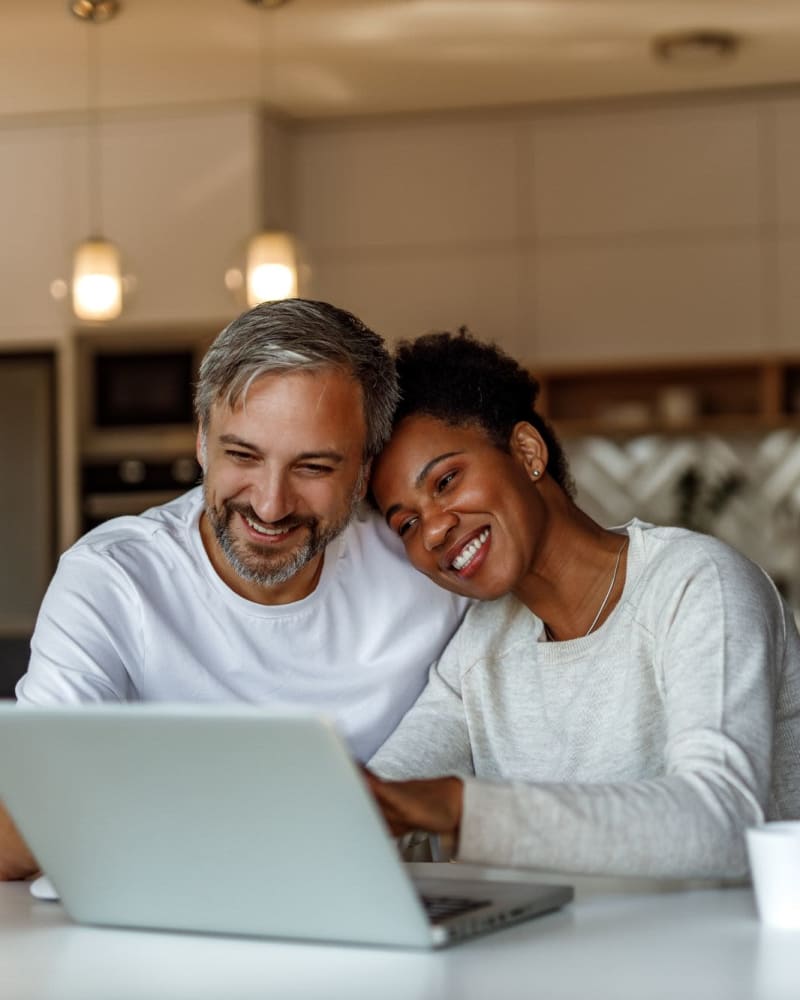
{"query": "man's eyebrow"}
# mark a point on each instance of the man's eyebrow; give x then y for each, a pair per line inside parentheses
(328, 456)
(420, 479)
(239, 442)
(324, 454)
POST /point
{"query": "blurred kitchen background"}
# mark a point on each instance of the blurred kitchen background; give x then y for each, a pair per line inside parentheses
(607, 189)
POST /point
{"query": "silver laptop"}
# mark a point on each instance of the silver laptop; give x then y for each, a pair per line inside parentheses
(230, 820)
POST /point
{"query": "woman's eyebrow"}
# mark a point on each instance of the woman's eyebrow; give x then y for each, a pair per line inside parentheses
(422, 474)
(420, 479)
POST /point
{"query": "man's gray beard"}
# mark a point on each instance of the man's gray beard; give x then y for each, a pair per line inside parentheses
(271, 576)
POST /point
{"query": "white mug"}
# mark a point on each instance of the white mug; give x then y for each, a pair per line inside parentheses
(774, 851)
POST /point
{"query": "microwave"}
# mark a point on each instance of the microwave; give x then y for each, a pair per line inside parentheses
(142, 388)
(135, 392)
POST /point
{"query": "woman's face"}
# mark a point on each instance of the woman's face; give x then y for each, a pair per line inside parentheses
(468, 513)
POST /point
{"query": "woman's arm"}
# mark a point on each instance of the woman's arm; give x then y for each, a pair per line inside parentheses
(723, 642)
(432, 738)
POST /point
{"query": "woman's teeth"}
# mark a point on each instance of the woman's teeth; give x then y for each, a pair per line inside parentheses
(467, 554)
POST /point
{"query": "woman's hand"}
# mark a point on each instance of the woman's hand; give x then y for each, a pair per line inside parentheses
(432, 804)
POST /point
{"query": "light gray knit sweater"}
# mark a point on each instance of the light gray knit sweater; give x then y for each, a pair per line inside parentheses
(646, 748)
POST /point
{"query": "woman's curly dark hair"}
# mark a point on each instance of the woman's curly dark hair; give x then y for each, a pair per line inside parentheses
(462, 381)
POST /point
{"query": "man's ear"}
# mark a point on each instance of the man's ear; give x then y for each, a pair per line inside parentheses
(528, 447)
(363, 483)
(200, 449)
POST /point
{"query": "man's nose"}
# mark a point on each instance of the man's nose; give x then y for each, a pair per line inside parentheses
(436, 527)
(272, 497)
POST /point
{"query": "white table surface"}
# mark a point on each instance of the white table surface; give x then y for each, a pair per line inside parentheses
(703, 944)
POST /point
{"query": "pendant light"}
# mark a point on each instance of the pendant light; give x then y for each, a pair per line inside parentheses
(272, 262)
(96, 273)
(271, 267)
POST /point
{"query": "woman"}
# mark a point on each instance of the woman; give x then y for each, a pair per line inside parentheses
(621, 701)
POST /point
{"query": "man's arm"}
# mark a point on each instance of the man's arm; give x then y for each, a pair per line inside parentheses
(87, 633)
(16, 861)
(75, 658)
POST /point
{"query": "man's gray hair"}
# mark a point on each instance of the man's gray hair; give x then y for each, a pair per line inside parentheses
(293, 335)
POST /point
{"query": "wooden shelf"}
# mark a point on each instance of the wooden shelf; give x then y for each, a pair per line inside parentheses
(672, 397)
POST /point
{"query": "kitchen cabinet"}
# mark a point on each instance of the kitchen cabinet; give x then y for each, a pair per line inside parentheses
(702, 396)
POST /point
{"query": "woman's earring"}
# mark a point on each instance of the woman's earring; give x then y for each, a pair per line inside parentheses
(535, 473)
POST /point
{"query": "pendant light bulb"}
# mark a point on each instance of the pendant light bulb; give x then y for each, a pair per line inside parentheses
(96, 281)
(271, 267)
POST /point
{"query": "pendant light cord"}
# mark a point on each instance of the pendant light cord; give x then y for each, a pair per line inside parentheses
(94, 153)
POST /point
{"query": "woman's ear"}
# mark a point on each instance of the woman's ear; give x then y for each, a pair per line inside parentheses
(529, 448)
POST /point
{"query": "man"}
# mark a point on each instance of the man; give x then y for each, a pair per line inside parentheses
(267, 585)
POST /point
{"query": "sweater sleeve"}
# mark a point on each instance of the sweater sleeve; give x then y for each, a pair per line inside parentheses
(719, 632)
(432, 739)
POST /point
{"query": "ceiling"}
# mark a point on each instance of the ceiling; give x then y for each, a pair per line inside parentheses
(327, 58)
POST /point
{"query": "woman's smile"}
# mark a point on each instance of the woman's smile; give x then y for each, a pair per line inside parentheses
(464, 508)
(469, 554)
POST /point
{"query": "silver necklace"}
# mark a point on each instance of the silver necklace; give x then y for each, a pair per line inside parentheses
(602, 607)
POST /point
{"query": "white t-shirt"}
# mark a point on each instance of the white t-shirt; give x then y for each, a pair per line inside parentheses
(136, 612)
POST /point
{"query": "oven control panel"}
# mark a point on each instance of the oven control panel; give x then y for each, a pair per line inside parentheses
(110, 488)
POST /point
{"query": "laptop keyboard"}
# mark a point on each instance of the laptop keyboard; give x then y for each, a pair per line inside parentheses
(440, 908)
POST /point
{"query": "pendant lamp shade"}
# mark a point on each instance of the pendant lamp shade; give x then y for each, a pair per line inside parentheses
(96, 281)
(271, 267)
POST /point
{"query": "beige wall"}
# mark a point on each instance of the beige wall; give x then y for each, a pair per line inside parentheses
(179, 195)
(648, 228)
(667, 228)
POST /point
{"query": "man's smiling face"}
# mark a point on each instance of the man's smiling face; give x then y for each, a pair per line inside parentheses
(283, 471)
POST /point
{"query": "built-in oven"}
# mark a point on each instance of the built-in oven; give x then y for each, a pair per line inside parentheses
(136, 421)
(130, 485)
